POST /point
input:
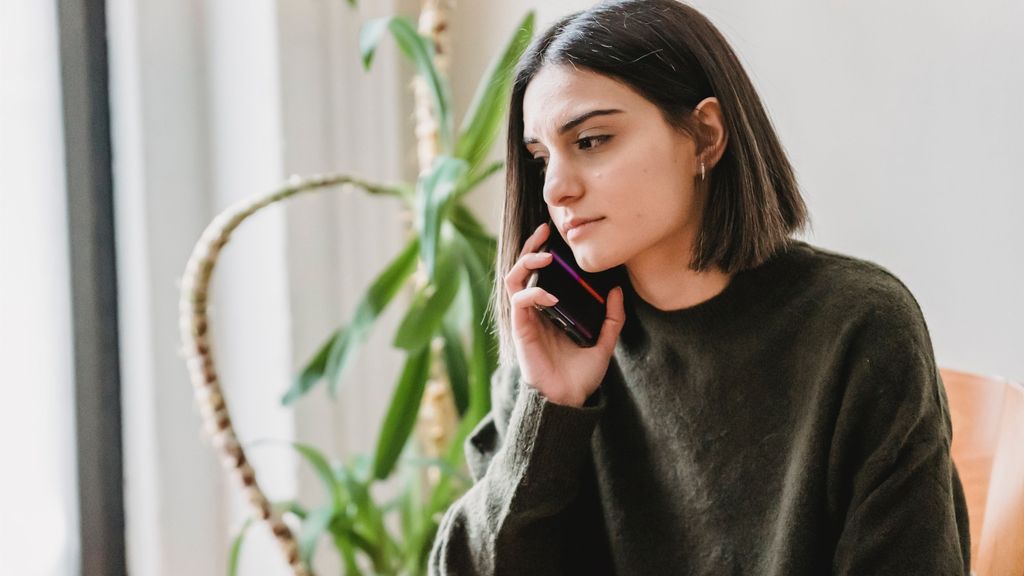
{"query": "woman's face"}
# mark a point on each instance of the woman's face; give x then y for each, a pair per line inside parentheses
(622, 164)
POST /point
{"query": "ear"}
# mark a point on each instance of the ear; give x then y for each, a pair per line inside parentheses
(709, 113)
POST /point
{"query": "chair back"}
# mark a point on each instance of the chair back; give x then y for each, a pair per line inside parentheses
(988, 448)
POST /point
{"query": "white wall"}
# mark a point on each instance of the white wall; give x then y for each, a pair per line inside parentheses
(903, 121)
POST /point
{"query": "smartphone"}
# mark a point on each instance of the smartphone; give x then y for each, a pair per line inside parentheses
(582, 296)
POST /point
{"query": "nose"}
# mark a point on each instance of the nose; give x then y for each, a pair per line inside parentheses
(561, 183)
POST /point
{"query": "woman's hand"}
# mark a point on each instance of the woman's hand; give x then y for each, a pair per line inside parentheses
(549, 360)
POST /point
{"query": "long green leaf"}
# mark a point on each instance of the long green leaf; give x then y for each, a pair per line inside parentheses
(369, 38)
(236, 547)
(408, 504)
(476, 178)
(344, 531)
(420, 51)
(323, 470)
(365, 515)
(484, 353)
(343, 344)
(435, 190)
(313, 371)
(423, 319)
(291, 507)
(487, 110)
(348, 554)
(313, 527)
(455, 364)
(402, 413)
(482, 244)
(484, 346)
(372, 305)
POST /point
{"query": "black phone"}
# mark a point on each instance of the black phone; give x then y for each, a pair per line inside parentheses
(582, 296)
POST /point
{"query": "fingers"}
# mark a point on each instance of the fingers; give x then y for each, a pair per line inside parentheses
(516, 279)
(615, 317)
(531, 297)
(536, 240)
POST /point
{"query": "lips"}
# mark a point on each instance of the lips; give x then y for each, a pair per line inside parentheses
(576, 228)
(577, 222)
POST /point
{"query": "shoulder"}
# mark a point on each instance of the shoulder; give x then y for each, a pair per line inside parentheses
(876, 332)
(855, 293)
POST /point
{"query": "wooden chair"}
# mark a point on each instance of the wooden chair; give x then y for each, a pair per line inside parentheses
(988, 449)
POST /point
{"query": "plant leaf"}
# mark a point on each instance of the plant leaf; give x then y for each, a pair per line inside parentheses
(484, 347)
(367, 518)
(455, 364)
(482, 244)
(423, 319)
(373, 303)
(348, 554)
(434, 193)
(419, 51)
(483, 120)
(402, 413)
(313, 371)
(408, 502)
(334, 355)
(236, 547)
(291, 507)
(323, 470)
(313, 527)
(369, 38)
(477, 177)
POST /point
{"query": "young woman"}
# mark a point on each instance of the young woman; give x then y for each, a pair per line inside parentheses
(754, 404)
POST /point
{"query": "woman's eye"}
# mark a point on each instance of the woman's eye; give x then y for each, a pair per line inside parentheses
(587, 143)
(591, 141)
(541, 162)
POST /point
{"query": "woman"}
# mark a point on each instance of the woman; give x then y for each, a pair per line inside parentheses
(754, 404)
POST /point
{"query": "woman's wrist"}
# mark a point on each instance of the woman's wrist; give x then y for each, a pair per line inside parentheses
(566, 400)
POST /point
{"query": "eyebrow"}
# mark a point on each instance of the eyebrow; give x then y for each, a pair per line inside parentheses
(576, 122)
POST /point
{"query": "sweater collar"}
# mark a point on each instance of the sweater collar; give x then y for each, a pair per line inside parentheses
(741, 292)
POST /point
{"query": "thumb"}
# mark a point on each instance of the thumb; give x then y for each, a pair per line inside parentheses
(615, 317)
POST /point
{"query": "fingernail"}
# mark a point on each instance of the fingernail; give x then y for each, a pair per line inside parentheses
(543, 224)
(550, 299)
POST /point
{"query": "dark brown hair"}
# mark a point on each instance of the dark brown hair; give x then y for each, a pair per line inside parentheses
(674, 57)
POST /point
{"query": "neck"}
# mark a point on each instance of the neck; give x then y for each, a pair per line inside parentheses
(668, 284)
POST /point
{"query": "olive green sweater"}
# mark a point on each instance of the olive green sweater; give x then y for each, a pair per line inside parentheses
(795, 423)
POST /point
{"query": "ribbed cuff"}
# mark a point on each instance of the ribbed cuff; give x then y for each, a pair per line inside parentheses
(546, 447)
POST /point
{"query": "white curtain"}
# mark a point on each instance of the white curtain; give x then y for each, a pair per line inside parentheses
(39, 523)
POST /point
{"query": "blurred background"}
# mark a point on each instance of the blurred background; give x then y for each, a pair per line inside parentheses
(127, 125)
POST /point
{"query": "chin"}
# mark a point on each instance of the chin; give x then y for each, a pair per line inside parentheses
(592, 263)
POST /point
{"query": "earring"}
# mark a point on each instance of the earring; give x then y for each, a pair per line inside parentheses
(701, 170)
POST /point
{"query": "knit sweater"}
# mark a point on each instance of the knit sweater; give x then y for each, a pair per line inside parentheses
(795, 423)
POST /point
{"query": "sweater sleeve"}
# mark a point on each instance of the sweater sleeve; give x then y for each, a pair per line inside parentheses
(894, 487)
(525, 458)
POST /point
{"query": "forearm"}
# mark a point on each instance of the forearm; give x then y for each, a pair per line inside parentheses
(508, 522)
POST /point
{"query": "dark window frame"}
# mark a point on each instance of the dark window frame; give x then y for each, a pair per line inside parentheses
(82, 31)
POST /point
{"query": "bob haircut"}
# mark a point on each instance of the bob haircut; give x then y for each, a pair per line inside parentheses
(674, 57)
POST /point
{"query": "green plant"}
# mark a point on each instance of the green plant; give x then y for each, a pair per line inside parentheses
(446, 333)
